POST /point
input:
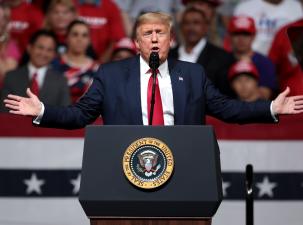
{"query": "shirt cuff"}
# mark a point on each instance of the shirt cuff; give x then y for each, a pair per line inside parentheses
(38, 119)
(274, 116)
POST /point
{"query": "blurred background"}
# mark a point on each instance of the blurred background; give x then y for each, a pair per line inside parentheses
(56, 47)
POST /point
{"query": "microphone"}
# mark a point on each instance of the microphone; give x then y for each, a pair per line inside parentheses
(154, 63)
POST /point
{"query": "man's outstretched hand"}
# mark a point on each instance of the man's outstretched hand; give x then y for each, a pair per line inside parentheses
(287, 105)
(30, 106)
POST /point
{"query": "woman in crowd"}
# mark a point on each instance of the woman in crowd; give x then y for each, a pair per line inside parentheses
(78, 68)
(59, 15)
(9, 52)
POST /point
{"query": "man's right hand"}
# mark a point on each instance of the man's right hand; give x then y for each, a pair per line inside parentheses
(30, 106)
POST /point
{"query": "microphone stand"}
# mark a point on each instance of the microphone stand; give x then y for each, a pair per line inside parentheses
(152, 101)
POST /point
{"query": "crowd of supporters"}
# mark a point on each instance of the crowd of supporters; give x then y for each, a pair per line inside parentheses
(55, 47)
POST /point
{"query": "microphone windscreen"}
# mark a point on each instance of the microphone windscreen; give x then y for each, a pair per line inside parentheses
(154, 61)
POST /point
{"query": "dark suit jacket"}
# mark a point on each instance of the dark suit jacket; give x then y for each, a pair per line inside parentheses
(216, 63)
(53, 92)
(115, 94)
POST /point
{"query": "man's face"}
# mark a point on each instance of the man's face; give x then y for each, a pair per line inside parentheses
(193, 27)
(153, 37)
(242, 42)
(42, 51)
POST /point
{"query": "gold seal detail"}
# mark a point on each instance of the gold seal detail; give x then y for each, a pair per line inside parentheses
(148, 163)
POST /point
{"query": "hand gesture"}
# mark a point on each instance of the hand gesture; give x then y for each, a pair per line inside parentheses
(30, 106)
(288, 105)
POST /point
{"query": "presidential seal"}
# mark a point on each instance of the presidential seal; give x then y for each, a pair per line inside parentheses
(148, 163)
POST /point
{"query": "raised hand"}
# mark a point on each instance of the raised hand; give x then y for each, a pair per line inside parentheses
(288, 105)
(30, 106)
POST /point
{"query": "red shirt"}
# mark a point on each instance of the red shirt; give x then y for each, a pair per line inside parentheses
(288, 69)
(25, 20)
(105, 23)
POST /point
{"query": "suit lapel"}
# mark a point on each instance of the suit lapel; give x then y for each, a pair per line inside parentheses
(179, 93)
(47, 86)
(133, 91)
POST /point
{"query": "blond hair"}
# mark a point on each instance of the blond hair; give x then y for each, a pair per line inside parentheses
(68, 3)
(154, 17)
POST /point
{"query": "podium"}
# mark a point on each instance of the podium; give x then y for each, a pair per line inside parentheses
(110, 193)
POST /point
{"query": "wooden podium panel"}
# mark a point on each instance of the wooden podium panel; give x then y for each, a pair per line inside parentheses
(149, 222)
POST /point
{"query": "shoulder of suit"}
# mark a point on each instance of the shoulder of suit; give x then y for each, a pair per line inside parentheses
(16, 73)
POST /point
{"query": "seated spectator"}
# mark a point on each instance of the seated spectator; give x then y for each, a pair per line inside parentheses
(49, 85)
(197, 49)
(243, 77)
(25, 20)
(106, 26)
(269, 16)
(78, 68)
(59, 15)
(288, 69)
(242, 32)
(9, 52)
(124, 49)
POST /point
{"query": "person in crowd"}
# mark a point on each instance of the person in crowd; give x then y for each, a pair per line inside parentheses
(46, 83)
(106, 26)
(59, 15)
(25, 20)
(9, 51)
(209, 7)
(123, 49)
(197, 49)
(289, 72)
(242, 31)
(244, 78)
(121, 91)
(78, 68)
(269, 16)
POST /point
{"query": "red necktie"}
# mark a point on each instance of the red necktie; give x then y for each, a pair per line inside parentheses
(34, 85)
(158, 110)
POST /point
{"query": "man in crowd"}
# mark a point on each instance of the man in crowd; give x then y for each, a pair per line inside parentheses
(242, 33)
(50, 86)
(121, 91)
(197, 49)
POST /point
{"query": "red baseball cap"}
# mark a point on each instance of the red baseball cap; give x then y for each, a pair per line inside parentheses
(242, 24)
(125, 43)
(243, 66)
(214, 3)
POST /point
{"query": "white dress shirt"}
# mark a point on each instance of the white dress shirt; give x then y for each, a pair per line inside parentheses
(41, 72)
(165, 91)
(194, 54)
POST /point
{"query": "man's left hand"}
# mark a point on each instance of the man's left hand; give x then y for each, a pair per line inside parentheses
(287, 105)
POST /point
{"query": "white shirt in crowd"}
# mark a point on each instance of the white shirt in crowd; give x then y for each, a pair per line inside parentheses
(269, 18)
(194, 54)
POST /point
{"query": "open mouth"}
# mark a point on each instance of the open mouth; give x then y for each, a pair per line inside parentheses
(155, 49)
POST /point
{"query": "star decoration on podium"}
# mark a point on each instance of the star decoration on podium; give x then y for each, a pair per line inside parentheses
(225, 185)
(76, 183)
(266, 187)
(34, 184)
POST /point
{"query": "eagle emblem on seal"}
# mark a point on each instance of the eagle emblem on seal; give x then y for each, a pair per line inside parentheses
(148, 163)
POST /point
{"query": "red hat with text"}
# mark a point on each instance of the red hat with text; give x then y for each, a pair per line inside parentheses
(240, 24)
(243, 67)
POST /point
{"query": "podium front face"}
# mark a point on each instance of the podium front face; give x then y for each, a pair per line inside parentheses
(194, 189)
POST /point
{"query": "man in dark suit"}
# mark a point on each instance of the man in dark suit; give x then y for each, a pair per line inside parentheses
(50, 86)
(197, 49)
(120, 91)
